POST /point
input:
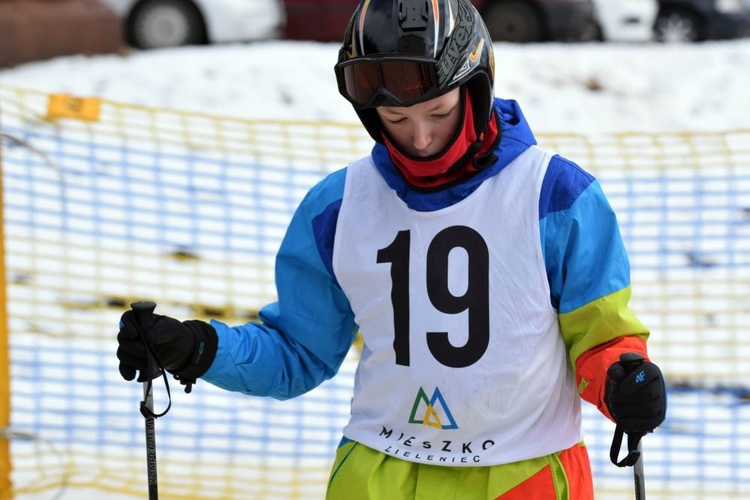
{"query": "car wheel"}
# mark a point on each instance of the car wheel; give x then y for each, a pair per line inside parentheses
(592, 33)
(512, 21)
(677, 26)
(166, 23)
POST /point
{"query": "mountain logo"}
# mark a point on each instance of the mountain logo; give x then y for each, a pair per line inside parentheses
(433, 411)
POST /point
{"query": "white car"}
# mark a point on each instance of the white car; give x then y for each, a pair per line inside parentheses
(626, 20)
(169, 23)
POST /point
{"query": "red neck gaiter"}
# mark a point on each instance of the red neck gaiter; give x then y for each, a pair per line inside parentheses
(454, 162)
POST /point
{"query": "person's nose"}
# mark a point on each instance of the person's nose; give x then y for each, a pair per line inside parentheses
(422, 136)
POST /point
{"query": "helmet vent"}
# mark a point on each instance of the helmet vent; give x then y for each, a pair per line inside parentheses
(412, 15)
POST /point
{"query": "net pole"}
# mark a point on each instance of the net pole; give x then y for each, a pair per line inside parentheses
(5, 466)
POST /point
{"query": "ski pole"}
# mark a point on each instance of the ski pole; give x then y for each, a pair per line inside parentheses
(630, 362)
(143, 312)
(638, 478)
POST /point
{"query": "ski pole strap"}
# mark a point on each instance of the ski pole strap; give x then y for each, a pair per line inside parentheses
(154, 366)
(633, 453)
(148, 412)
(143, 312)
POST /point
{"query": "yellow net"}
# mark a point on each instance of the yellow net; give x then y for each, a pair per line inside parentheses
(107, 203)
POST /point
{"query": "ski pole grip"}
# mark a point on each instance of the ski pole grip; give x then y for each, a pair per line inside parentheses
(631, 360)
(143, 311)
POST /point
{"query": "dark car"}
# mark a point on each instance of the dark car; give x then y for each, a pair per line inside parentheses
(507, 20)
(699, 20)
(536, 20)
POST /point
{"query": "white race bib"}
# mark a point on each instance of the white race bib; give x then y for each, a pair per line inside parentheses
(463, 362)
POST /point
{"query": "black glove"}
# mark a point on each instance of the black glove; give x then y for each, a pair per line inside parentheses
(185, 349)
(636, 394)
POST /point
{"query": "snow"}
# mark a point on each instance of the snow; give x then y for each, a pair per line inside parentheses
(585, 88)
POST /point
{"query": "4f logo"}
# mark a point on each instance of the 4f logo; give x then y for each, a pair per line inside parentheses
(433, 411)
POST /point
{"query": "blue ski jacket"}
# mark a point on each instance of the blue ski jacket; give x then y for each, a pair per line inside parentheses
(303, 337)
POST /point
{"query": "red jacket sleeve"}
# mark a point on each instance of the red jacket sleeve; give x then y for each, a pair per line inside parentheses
(592, 366)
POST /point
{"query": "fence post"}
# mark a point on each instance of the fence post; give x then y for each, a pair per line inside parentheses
(4, 358)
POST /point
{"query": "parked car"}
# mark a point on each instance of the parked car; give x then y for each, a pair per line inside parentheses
(624, 20)
(317, 20)
(507, 20)
(699, 20)
(167, 23)
(536, 20)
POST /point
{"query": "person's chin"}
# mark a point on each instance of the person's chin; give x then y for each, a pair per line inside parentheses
(422, 154)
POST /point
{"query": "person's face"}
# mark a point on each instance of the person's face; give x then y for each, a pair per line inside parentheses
(423, 129)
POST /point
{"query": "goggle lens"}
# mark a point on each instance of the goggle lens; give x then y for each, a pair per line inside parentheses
(403, 82)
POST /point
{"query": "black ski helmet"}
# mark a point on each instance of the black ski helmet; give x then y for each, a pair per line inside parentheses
(401, 52)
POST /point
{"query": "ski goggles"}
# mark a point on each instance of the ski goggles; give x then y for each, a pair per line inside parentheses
(369, 82)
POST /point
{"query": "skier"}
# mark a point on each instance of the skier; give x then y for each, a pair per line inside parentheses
(487, 276)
